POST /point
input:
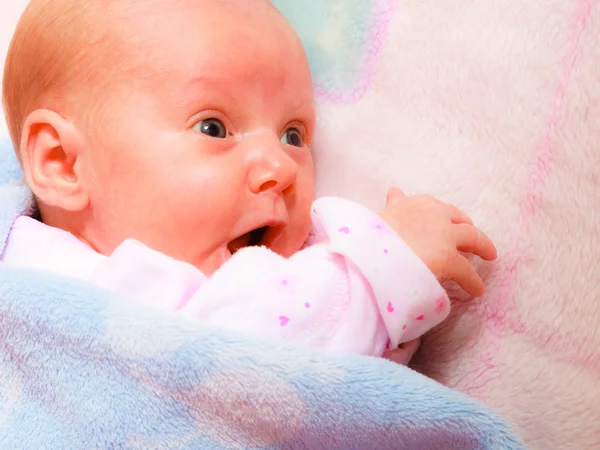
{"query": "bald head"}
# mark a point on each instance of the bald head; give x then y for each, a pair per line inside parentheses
(64, 52)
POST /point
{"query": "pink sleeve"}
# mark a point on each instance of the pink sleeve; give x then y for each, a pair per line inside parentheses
(409, 297)
(359, 287)
(353, 292)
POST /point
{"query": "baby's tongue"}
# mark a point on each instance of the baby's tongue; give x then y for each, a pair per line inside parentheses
(238, 243)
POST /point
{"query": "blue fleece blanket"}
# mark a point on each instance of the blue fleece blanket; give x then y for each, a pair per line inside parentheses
(82, 369)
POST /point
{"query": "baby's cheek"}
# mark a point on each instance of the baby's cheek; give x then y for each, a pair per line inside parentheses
(297, 234)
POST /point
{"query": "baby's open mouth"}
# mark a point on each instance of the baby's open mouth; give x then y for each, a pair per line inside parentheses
(250, 239)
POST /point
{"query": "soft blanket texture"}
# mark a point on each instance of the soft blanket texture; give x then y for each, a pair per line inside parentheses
(80, 368)
(493, 105)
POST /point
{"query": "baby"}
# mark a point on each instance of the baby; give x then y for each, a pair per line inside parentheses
(167, 143)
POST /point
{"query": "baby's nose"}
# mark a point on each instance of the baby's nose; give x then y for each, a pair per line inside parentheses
(274, 170)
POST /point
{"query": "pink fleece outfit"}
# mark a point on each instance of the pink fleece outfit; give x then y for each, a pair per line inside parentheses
(357, 289)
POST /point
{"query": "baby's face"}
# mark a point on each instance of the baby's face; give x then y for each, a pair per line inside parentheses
(209, 142)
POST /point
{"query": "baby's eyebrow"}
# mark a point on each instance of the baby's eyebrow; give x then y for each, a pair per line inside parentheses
(303, 109)
(205, 81)
(211, 85)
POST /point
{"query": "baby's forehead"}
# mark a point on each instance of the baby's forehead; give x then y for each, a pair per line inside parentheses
(174, 33)
(157, 24)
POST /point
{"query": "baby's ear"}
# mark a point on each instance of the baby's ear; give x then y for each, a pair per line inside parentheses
(51, 152)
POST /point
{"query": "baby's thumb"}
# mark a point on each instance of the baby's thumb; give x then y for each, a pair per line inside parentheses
(394, 194)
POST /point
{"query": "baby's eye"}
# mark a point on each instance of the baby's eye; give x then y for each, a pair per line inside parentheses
(292, 137)
(211, 127)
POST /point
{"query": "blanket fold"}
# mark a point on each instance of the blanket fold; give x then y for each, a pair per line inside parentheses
(81, 368)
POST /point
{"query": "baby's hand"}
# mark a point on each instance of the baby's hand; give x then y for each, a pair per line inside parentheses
(437, 232)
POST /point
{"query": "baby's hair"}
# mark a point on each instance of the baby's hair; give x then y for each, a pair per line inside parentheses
(61, 54)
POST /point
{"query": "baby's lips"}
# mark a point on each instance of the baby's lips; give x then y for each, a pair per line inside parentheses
(273, 234)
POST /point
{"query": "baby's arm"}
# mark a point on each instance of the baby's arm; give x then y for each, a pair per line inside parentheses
(360, 285)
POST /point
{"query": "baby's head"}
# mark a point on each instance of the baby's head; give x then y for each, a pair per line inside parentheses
(184, 124)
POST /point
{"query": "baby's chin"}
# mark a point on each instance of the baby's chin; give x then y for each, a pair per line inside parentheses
(213, 262)
(287, 244)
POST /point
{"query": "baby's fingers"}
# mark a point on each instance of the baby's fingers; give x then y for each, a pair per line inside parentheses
(464, 274)
(470, 239)
(394, 194)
